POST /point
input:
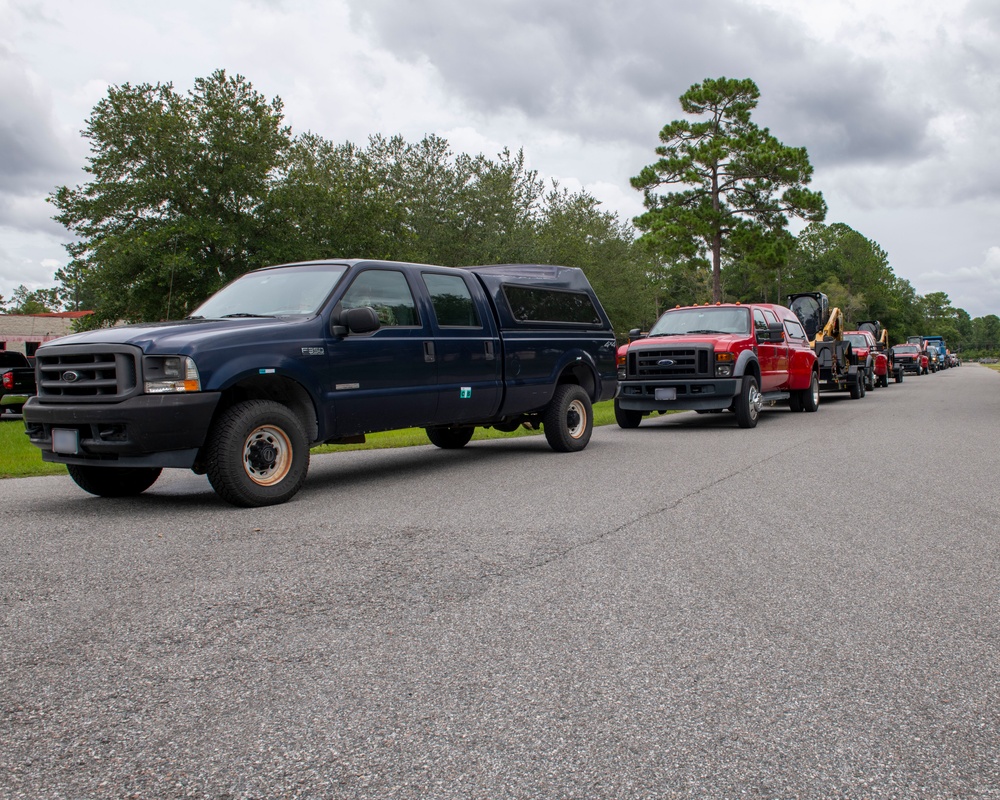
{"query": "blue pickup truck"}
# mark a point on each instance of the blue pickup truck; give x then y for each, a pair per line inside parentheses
(295, 355)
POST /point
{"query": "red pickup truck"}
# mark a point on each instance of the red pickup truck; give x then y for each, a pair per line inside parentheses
(727, 356)
(866, 349)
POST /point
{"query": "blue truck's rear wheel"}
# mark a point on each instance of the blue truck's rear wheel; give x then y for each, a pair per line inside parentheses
(449, 438)
(257, 454)
(113, 481)
(568, 420)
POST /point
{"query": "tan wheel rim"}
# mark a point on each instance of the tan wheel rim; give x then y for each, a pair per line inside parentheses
(267, 455)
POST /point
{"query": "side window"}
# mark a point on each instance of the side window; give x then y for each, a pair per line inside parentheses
(388, 293)
(759, 323)
(794, 329)
(452, 301)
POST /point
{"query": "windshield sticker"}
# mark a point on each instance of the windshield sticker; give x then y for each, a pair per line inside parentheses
(465, 392)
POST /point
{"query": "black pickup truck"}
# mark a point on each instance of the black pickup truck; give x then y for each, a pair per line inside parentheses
(295, 355)
(17, 381)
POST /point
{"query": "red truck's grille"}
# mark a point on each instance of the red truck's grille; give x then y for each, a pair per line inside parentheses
(100, 373)
(669, 362)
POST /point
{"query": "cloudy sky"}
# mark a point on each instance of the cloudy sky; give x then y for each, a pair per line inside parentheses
(897, 102)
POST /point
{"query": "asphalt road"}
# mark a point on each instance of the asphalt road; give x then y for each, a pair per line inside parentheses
(808, 609)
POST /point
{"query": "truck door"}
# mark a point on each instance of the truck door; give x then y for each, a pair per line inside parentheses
(466, 347)
(780, 350)
(384, 380)
(769, 354)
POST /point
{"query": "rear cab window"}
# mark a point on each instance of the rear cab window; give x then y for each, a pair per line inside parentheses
(530, 304)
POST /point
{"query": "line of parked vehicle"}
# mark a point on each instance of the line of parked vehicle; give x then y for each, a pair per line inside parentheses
(295, 355)
(736, 357)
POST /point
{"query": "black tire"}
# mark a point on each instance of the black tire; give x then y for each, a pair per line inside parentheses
(113, 481)
(257, 454)
(449, 438)
(869, 379)
(568, 420)
(857, 388)
(627, 418)
(748, 404)
(883, 380)
(899, 377)
(795, 401)
(810, 396)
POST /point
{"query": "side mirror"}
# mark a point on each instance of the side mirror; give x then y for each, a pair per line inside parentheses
(635, 333)
(357, 320)
(775, 333)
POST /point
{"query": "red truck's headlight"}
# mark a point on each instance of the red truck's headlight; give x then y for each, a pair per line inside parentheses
(724, 363)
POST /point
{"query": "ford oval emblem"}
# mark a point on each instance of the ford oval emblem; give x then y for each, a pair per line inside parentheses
(70, 376)
(665, 362)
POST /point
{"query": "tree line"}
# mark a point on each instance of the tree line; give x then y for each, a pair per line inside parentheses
(188, 191)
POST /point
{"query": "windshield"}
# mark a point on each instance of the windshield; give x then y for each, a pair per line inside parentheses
(904, 350)
(679, 321)
(279, 292)
(856, 340)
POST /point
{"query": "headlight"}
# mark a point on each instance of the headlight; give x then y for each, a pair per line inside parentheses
(169, 374)
(724, 365)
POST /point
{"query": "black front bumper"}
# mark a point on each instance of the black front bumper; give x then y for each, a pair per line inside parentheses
(709, 394)
(148, 430)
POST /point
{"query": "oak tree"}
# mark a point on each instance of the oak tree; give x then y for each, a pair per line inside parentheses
(177, 200)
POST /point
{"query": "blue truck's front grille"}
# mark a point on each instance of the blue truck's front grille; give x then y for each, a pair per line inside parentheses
(66, 373)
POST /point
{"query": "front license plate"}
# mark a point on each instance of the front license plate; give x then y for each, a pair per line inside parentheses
(670, 393)
(66, 442)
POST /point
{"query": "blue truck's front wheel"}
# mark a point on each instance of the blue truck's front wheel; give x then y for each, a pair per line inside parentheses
(257, 454)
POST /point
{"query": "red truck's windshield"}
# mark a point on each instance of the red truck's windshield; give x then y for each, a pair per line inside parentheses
(681, 321)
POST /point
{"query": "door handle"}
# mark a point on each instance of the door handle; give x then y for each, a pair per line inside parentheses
(429, 352)
(489, 350)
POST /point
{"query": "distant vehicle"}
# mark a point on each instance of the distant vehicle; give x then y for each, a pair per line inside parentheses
(935, 358)
(910, 357)
(938, 343)
(17, 381)
(865, 347)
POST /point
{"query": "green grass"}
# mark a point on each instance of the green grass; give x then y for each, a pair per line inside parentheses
(21, 459)
(604, 413)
